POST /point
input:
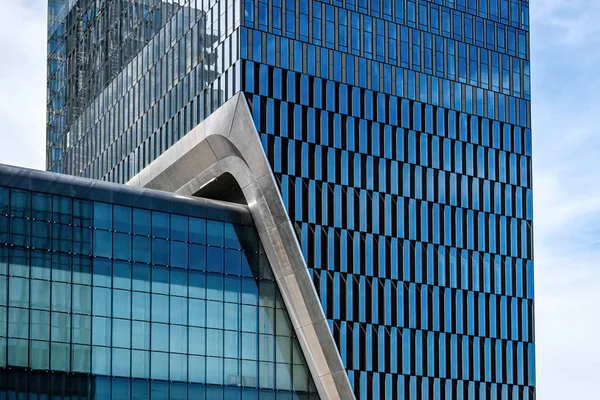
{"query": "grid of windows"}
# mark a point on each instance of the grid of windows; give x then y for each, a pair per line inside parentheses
(185, 71)
(399, 134)
(89, 42)
(109, 290)
(17, 383)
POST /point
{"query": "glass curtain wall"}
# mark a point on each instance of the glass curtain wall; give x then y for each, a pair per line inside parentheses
(399, 133)
(127, 79)
(127, 300)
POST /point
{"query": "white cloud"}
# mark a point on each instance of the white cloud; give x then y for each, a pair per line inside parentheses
(566, 161)
(23, 82)
(571, 20)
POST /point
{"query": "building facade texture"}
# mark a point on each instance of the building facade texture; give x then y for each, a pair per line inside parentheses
(399, 135)
(127, 293)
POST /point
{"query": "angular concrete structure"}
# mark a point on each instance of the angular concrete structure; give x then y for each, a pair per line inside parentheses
(224, 150)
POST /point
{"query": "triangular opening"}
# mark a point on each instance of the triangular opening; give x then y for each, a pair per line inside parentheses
(224, 188)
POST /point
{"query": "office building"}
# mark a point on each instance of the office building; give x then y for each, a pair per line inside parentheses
(382, 146)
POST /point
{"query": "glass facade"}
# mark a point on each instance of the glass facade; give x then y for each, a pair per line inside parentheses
(173, 298)
(399, 133)
(126, 79)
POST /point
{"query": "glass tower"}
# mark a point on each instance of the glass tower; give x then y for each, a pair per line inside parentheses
(399, 135)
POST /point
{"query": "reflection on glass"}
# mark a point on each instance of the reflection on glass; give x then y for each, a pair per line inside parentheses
(211, 321)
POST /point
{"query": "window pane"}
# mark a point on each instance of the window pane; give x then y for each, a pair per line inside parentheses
(197, 232)
(18, 323)
(101, 331)
(160, 224)
(214, 259)
(122, 275)
(197, 370)
(178, 339)
(141, 222)
(197, 312)
(178, 370)
(61, 327)
(160, 337)
(123, 219)
(102, 243)
(179, 227)
(141, 306)
(20, 203)
(103, 216)
(214, 371)
(101, 360)
(40, 325)
(140, 364)
(160, 251)
(214, 231)
(214, 314)
(18, 295)
(122, 246)
(19, 262)
(232, 236)
(121, 333)
(215, 339)
(160, 279)
(141, 277)
(197, 257)
(40, 355)
(61, 297)
(121, 304)
(179, 254)
(82, 329)
(284, 377)
(160, 308)
(141, 249)
(17, 353)
(179, 282)
(41, 206)
(102, 302)
(233, 262)
(61, 357)
(232, 344)
(81, 358)
(179, 310)
(140, 335)
(160, 366)
(40, 294)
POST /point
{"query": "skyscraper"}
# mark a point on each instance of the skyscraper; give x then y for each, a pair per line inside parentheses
(397, 138)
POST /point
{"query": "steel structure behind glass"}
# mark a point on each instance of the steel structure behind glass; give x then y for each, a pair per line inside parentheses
(109, 289)
(120, 71)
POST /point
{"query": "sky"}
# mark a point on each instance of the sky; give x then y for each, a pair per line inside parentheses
(565, 38)
(565, 43)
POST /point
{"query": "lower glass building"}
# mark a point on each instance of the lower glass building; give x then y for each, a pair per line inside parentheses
(109, 291)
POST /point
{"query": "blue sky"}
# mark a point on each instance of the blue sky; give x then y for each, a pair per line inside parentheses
(565, 43)
(566, 103)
